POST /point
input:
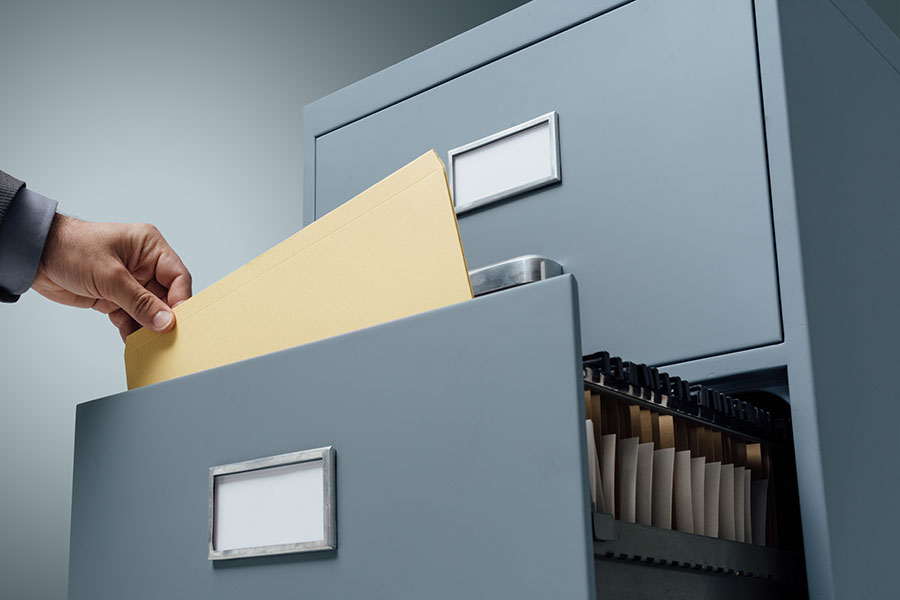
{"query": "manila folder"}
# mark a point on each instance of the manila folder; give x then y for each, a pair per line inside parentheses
(390, 252)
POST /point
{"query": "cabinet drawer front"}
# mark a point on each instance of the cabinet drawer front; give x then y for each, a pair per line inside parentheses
(663, 211)
(458, 473)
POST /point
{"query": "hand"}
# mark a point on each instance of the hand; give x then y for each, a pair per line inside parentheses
(128, 272)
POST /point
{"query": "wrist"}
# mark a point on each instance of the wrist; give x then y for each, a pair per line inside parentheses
(54, 235)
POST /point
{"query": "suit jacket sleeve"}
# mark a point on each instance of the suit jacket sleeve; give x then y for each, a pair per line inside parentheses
(9, 187)
(25, 219)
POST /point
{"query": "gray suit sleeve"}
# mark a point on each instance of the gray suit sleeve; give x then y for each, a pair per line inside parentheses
(24, 223)
(9, 187)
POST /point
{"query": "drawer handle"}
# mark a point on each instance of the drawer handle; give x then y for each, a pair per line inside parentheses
(513, 272)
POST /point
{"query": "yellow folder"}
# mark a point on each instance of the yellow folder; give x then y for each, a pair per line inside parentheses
(390, 252)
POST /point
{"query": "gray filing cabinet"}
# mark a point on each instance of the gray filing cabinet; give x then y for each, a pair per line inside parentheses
(728, 206)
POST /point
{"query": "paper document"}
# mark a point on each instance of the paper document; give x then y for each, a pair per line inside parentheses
(739, 504)
(748, 506)
(712, 482)
(390, 252)
(628, 451)
(698, 493)
(644, 491)
(684, 505)
(663, 472)
(726, 504)
(597, 503)
(608, 471)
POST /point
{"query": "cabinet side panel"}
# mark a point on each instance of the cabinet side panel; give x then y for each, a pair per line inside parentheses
(844, 113)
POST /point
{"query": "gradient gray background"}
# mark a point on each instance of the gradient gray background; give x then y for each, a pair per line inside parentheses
(183, 114)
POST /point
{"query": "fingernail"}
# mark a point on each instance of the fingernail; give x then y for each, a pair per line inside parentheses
(162, 320)
(178, 303)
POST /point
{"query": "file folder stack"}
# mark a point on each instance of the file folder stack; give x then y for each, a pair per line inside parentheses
(664, 453)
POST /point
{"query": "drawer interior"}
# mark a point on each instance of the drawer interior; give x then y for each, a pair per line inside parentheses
(672, 506)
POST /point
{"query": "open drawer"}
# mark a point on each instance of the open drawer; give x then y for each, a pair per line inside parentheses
(459, 442)
(459, 447)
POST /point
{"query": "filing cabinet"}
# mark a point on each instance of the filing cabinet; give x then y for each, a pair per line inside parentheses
(727, 206)
(727, 203)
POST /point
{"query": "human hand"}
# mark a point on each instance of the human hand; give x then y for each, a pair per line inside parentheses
(126, 271)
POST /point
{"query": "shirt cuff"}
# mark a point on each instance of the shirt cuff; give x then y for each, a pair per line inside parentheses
(22, 236)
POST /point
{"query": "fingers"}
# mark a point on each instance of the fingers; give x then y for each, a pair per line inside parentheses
(104, 306)
(163, 283)
(139, 302)
(179, 291)
(123, 322)
(172, 273)
(121, 319)
(157, 289)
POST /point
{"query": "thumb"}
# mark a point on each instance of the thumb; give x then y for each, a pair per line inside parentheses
(140, 303)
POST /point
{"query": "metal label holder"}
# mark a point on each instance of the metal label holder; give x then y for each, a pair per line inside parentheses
(551, 119)
(329, 541)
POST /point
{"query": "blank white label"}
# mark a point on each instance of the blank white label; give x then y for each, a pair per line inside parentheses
(269, 507)
(505, 166)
